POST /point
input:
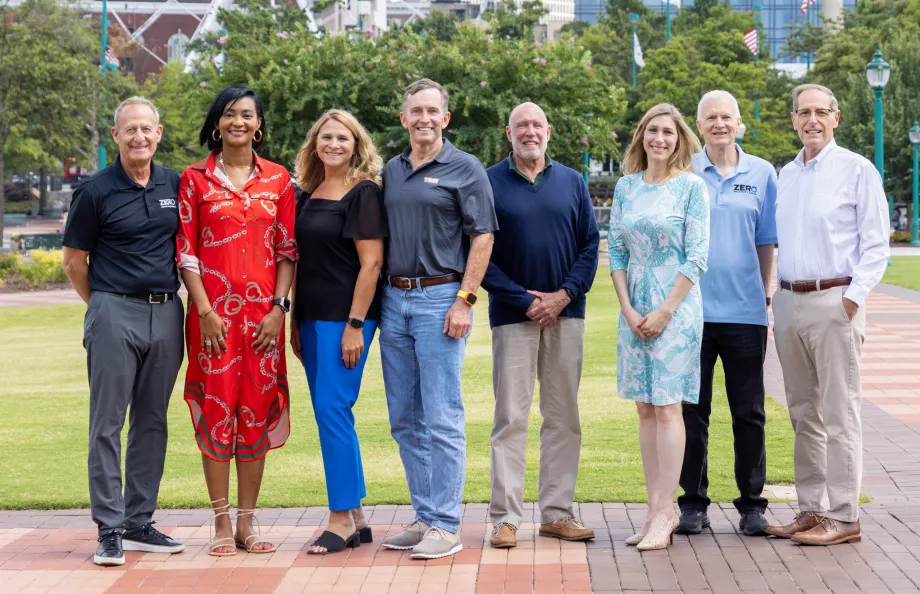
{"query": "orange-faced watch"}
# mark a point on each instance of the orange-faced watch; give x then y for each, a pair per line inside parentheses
(469, 298)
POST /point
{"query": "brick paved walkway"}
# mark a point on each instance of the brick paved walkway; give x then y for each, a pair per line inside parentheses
(42, 551)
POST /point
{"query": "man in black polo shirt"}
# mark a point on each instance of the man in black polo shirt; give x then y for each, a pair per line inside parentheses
(124, 221)
(441, 217)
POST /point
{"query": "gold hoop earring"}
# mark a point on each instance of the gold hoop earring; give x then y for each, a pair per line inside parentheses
(259, 139)
(215, 135)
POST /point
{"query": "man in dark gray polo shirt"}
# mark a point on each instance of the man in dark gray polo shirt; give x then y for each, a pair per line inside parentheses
(441, 216)
(124, 221)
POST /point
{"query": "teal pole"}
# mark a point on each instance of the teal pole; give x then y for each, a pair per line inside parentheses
(879, 141)
(915, 223)
(103, 66)
(587, 160)
(634, 18)
(668, 38)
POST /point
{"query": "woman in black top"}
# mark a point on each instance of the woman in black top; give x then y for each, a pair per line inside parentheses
(340, 227)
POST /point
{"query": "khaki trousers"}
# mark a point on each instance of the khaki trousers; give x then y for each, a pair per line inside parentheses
(819, 349)
(520, 354)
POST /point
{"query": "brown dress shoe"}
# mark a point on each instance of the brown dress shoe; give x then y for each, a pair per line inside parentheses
(829, 532)
(504, 536)
(567, 529)
(803, 521)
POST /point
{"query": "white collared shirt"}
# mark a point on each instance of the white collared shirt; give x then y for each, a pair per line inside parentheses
(832, 220)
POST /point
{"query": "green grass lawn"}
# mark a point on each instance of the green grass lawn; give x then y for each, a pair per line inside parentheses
(43, 424)
(904, 272)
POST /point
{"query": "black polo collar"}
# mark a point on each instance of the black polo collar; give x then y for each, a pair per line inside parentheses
(123, 181)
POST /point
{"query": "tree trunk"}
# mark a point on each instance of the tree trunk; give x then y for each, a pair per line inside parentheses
(42, 190)
(94, 151)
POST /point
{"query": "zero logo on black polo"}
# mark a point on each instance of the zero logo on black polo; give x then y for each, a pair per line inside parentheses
(167, 203)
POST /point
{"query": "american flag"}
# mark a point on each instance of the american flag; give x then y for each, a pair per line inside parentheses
(750, 40)
(805, 3)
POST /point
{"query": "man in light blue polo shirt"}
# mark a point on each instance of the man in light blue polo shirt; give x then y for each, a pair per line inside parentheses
(742, 203)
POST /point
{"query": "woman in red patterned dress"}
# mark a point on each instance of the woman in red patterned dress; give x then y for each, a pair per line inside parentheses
(236, 255)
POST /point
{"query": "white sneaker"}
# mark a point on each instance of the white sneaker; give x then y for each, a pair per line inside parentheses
(437, 543)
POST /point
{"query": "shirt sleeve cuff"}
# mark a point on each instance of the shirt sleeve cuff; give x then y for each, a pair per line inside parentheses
(856, 294)
(190, 263)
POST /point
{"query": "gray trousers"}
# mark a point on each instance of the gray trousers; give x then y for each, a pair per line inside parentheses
(520, 354)
(133, 354)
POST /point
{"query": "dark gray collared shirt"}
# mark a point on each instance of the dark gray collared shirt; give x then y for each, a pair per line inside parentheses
(433, 209)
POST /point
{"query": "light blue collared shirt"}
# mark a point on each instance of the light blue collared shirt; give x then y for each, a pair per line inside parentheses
(742, 209)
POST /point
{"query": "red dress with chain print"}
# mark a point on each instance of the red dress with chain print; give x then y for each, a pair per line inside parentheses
(234, 239)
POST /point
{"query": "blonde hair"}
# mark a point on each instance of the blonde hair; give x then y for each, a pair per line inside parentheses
(636, 161)
(365, 163)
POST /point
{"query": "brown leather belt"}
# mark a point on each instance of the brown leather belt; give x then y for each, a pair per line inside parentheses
(407, 284)
(815, 285)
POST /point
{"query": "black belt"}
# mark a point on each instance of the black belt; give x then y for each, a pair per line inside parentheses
(404, 283)
(153, 297)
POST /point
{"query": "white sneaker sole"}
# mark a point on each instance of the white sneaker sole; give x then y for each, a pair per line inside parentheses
(393, 547)
(104, 561)
(135, 545)
(453, 551)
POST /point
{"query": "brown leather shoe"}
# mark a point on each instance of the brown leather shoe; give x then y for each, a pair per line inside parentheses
(829, 532)
(567, 529)
(803, 521)
(504, 536)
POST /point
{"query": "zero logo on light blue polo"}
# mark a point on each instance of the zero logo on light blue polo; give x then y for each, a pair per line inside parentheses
(744, 189)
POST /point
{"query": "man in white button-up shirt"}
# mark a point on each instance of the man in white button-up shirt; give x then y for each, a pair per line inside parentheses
(832, 226)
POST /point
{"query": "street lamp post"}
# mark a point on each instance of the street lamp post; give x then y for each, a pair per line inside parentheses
(914, 135)
(877, 73)
(634, 18)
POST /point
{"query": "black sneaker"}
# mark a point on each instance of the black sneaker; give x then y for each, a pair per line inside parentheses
(109, 551)
(150, 540)
(753, 523)
(692, 522)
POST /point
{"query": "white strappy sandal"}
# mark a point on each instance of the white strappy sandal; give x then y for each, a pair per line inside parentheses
(250, 548)
(227, 541)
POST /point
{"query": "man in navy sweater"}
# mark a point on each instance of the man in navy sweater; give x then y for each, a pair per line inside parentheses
(543, 263)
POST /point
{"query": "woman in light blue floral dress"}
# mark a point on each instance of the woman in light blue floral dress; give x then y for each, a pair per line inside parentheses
(658, 242)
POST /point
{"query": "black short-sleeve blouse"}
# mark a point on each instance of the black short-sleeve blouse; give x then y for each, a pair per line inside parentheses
(328, 269)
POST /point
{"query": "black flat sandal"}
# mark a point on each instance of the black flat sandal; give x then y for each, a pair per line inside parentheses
(333, 543)
(366, 535)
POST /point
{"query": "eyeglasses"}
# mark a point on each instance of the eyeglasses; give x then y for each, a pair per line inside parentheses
(805, 114)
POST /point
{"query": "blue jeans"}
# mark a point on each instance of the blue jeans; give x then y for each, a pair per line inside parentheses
(422, 367)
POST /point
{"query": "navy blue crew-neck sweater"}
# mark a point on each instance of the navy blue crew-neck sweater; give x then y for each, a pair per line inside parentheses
(547, 241)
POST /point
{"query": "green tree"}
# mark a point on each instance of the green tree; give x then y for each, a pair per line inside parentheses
(439, 25)
(509, 21)
(299, 75)
(47, 62)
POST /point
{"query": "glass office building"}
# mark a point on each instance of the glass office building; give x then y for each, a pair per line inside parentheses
(777, 17)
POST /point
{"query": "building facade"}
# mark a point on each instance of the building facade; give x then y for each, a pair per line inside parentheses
(778, 17)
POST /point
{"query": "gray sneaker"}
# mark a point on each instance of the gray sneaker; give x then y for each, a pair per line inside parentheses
(408, 538)
(436, 544)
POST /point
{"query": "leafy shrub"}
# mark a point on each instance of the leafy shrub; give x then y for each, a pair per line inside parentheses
(42, 267)
(18, 208)
(10, 265)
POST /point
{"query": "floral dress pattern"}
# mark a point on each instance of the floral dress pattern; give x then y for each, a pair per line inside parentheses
(234, 239)
(657, 232)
